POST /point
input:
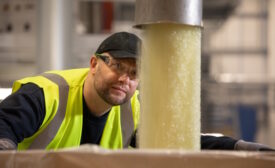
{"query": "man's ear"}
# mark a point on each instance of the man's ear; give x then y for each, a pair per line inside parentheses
(93, 64)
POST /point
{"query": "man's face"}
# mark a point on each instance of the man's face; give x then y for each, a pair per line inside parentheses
(115, 80)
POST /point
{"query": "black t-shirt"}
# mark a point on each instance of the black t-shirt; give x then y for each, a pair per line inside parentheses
(92, 126)
(22, 113)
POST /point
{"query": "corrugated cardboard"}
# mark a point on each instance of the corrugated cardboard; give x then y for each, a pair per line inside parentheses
(95, 157)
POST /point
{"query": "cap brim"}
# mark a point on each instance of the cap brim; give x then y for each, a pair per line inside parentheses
(122, 54)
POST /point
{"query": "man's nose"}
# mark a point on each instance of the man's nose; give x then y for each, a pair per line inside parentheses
(124, 78)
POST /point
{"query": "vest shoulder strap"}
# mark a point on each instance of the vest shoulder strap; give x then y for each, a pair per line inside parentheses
(127, 123)
(48, 134)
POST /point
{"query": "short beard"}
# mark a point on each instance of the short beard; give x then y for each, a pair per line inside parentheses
(105, 95)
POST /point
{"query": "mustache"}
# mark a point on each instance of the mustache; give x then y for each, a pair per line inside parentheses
(121, 87)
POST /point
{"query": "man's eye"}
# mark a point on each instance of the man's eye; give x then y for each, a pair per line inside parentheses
(106, 60)
(118, 65)
(133, 73)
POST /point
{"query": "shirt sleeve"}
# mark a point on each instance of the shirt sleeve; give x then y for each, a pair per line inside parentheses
(217, 143)
(133, 143)
(22, 113)
(207, 142)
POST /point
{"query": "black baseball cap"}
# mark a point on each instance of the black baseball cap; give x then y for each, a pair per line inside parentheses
(121, 45)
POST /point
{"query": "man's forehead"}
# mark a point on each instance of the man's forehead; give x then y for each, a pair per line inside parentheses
(121, 58)
(129, 61)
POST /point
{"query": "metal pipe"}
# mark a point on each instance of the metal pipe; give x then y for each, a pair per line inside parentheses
(188, 12)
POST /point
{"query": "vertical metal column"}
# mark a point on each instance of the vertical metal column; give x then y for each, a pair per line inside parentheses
(55, 18)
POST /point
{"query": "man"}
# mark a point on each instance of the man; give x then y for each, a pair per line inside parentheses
(99, 105)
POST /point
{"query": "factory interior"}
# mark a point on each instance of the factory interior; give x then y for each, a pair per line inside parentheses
(237, 54)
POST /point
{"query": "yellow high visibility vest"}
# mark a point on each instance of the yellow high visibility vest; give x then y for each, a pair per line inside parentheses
(62, 125)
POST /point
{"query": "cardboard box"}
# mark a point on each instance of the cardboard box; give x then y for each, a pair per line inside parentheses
(95, 157)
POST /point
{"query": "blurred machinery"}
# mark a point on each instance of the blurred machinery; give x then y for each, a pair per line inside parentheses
(22, 22)
(17, 39)
(236, 86)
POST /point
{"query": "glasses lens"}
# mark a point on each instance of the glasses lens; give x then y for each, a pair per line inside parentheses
(118, 67)
(104, 58)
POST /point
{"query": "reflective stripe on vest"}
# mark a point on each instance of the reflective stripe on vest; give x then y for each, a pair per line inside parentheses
(127, 123)
(48, 134)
